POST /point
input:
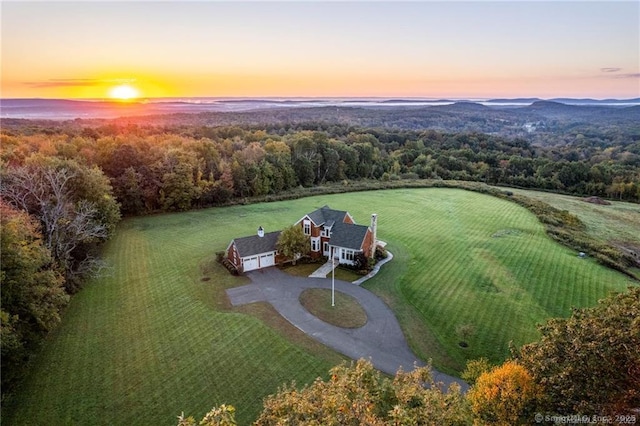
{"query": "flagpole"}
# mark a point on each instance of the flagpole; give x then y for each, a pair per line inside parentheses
(333, 278)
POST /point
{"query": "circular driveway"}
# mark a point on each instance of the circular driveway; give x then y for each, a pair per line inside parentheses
(381, 340)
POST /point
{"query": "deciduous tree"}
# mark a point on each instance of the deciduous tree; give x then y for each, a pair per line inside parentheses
(359, 394)
(590, 362)
(292, 243)
(179, 190)
(74, 206)
(224, 415)
(475, 368)
(32, 292)
(506, 395)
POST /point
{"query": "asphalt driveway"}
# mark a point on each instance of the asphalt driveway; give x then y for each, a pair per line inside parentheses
(380, 339)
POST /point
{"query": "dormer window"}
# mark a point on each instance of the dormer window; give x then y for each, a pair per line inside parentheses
(326, 231)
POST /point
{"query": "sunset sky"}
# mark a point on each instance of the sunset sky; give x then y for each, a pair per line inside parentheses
(303, 49)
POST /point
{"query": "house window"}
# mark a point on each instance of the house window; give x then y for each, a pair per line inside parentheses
(325, 247)
(315, 244)
(306, 227)
(325, 232)
(347, 254)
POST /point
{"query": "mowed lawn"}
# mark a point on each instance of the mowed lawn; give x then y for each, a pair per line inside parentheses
(464, 258)
(151, 339)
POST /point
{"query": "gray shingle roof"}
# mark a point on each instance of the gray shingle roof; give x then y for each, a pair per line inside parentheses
(348, 235)
(342, 234)
(326, 214)
(253, 244)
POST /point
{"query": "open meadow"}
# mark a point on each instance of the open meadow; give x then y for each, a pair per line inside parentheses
(156, 336)
(618, 222)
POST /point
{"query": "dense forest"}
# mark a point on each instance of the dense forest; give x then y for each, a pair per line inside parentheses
(65, 185)
(165, 169)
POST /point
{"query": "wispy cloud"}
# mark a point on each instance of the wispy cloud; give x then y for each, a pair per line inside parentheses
(614, 72)
(62, 83)
(627, 75)
(75, 82)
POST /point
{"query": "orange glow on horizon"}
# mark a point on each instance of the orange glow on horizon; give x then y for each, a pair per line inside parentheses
(131, 86)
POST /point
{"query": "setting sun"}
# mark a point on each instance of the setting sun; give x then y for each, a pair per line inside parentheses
(124, 92)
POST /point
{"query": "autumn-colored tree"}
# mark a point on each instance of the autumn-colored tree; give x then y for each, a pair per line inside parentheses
(475, 368)
(128, 190)
(225, 415)
(32, 293)
(590, 362)
(359, 394)
(420, 401)
(292, 243)
(179, 189)
(506, 395)
(74, 206)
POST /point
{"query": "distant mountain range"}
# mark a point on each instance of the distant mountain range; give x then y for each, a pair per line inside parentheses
(64, 109)
(570, 101)
(539, 121)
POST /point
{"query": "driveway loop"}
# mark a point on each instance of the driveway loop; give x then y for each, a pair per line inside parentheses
(379, 340)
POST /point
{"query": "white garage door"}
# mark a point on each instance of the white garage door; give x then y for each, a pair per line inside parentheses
(250, 263)
(267, 260)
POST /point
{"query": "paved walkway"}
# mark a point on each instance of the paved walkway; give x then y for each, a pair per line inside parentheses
(322, 271)
(376, 269)
(380, 339)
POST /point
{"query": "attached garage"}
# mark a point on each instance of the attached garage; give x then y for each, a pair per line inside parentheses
(258, 262)
(254, 252)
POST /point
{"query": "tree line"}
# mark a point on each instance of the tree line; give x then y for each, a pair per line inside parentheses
(54, 214)
(154, 169)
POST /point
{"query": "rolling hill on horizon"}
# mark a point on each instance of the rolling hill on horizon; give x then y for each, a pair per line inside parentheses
(64, 109)
(540, 122)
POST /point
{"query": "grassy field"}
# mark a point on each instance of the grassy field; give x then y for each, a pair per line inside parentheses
(157, 336)
(464, 258)
(618, 222)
